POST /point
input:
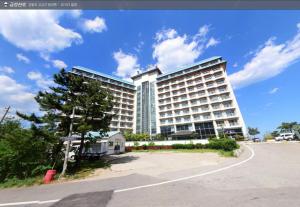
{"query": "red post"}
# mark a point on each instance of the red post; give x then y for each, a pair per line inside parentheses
(49, 176)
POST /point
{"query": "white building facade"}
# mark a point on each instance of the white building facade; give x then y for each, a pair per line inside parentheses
(196, 98)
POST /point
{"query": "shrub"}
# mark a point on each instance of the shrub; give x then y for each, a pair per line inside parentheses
(268, 136)
(151, 144)
(178, 146)
(222, 144)
(239, 138)
(199, 146)
(24, 153)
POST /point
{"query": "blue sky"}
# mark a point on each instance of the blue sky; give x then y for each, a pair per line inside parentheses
(262, 49)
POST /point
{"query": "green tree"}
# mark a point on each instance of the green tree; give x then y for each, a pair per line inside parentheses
(87, 96)
(253, 131)
(286, 126)
(24, 152)
(275, 133)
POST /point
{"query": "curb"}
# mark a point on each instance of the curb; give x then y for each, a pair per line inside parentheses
(239, 151)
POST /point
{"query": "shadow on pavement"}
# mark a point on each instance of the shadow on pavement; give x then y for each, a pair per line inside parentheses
(92, 199)
(124, 159)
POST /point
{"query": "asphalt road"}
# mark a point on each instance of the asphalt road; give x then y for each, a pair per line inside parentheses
(267, 176)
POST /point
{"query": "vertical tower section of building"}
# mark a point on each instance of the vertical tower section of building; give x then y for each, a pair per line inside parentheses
(123, 92)
(146, 108)
(198, 98)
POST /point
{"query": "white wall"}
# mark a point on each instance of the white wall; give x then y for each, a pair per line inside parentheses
(194, 141)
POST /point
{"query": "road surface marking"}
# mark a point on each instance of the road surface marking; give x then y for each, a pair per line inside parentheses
(147, 186)
(190, 177)
(28, 202)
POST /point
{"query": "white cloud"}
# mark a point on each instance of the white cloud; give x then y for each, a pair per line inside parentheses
(172, 50)
(95, 25)
(165, 34)
(40, 80)
(7, 69)
(212, 42)
(274, 90)
(203, 31)
(75, 13)
(269, 60)
(127, 64)
(138, 48)
(37, 30)
(23, 58)
(16, 95)
(235, 65)
(59, 64)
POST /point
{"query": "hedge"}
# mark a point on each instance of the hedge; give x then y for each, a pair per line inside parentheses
(218, 144)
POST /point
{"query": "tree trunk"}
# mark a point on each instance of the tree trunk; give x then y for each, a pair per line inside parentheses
(80, 151)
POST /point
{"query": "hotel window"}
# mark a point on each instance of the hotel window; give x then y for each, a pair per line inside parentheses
(182, 127)
(230, 112)
(209, 77)
(203, 100)
(220, 123)
(233, 122)
(206, 116)
(194, 102)
(199, 86)
(212, 91)
(187, 119)
(220, 81)
(210, 84)
(224, 97)
(215, 106)
(219, 74)
(195, 110)
(191, 88)
(205, 130)
(196, 117)
(227, 104)
(218, 114)
(166, 130)
(205, 108)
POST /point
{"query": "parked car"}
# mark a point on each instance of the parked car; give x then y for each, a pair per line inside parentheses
(285, 136)
(255, 139)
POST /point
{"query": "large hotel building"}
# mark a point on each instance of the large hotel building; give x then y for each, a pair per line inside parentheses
(196, 98)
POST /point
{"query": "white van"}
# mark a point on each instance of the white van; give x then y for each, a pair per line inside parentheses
(285, 136)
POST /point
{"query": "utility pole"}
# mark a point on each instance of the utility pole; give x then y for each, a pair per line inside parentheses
(68, 145)
(5, 113)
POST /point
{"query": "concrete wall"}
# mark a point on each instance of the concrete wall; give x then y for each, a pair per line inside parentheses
(194, 141)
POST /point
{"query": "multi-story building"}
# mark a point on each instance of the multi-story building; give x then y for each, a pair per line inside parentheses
(123, 92)
(196, 98)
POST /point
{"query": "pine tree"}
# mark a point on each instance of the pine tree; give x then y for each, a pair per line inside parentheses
(90, 101)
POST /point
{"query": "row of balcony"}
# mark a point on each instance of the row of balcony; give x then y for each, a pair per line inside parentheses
(191, 96)
(207, 75)
(196, 86)
(196, 118)
(191, 103)
(193, 111)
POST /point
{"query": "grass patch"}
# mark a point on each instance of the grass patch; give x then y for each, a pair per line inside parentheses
(220, 152)
(86, 169)
(14, 182)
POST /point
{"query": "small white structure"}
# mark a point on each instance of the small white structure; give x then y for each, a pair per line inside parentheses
(112, 143)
